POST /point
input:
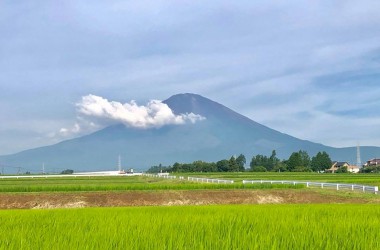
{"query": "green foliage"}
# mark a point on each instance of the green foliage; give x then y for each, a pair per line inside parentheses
(259, 169)
(280, 167)
(231, 165)
(342, 170)
(321, 162)
(342, 226)
(299, 162)
(67, 171)
(159, 169)
(273, 160)
(301, 169)
(294, 161)
(222, 166)
(269, 163)
(370, 169)
(241, 161)
(305, 159)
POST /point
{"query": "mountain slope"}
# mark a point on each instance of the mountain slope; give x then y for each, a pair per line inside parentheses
(223, 133)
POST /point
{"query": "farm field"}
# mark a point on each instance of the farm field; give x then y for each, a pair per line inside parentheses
(120, 183)
(363, 179)
(148, 191)
(155, 213)
(194, 227)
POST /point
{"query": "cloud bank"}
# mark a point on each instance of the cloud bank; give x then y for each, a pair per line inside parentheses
(95, 112)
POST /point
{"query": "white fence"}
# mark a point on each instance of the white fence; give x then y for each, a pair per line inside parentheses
(337, 186)
(205, 180)
(63, 176)
(160, 176)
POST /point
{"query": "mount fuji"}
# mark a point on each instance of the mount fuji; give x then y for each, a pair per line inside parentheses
(222, 134)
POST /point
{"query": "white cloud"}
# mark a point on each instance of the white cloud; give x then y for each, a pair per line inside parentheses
(154, 114)
(67, 132)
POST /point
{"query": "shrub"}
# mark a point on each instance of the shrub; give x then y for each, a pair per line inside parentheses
(259, 169)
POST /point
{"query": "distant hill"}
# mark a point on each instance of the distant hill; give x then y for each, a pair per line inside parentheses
(222, 134)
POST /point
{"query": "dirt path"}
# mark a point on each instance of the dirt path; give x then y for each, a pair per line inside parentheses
(170, 198)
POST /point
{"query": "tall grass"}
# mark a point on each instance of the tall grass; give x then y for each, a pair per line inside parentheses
(202, 227)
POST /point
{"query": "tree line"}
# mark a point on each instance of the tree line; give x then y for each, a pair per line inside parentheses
(297, 162)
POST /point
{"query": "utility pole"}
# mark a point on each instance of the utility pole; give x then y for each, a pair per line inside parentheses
(119, 163)
(358, 160)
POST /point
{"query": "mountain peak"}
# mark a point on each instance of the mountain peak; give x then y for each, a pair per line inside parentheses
(194, 103)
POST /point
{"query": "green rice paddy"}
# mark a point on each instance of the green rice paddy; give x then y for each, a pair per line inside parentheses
(121, 183)
(194, 227)
(361, 179)
(118, 184)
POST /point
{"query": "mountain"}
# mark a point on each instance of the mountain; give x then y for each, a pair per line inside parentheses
(223, 133)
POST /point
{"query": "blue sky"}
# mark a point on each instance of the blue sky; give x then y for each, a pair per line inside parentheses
(310, 69)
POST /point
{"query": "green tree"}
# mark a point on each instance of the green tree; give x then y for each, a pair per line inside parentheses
(321, 162)
(280, 167)
(294, 161)
(305, 158)
(67, 171)
(273, 161)
(177, 167)
(240, 160)
(259, 160)
(222, 166)
(233, 166)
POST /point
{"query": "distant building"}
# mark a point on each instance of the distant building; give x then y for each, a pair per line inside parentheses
(372, 162)
(353, 169)
(336, 165)
(339, 164)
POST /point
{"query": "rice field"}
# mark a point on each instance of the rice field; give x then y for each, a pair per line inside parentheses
(363, 179)
(120, 183)
(117, 184)
(194, 227)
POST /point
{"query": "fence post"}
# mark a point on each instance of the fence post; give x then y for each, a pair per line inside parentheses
(322, 185)
(337, 186)
(363, 189)
(376, 190)
(307, 184)
(352, 187)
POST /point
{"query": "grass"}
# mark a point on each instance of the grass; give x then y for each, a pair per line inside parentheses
(201, 227)
(121, 183)
(363, 179)
(118, 184)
